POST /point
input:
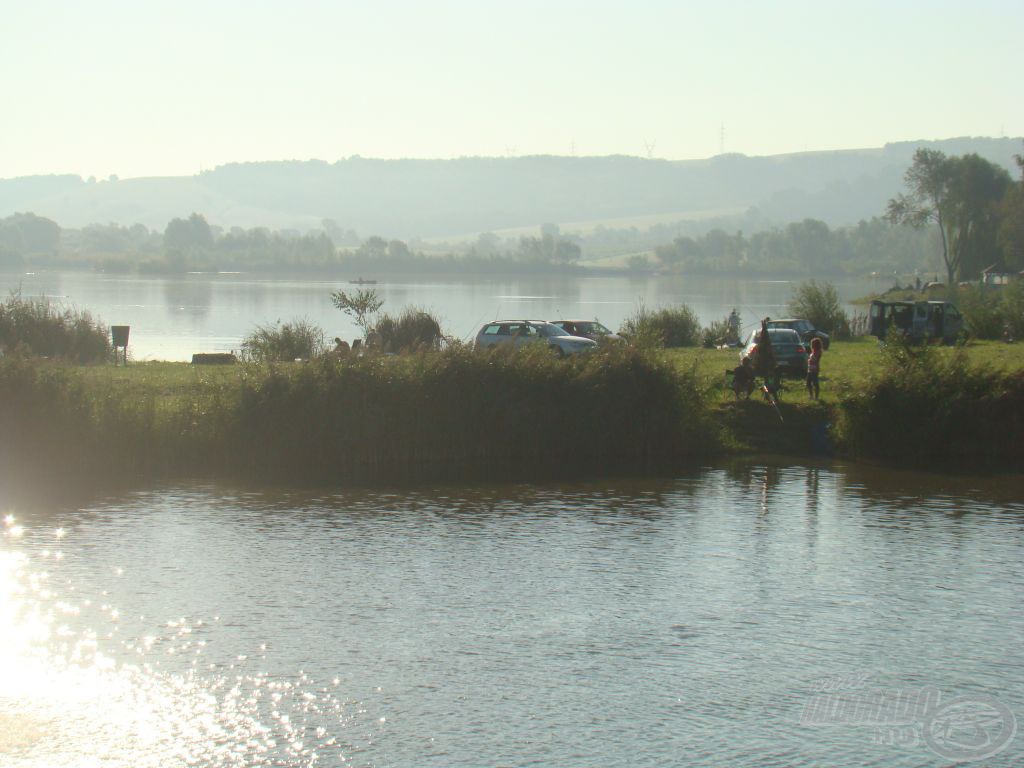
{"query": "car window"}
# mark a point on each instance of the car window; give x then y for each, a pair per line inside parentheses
(492, 330)
(548, 330)
(503, 330)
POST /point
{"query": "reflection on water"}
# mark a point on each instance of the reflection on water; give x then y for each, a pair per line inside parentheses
(191, 295)
(642, 622)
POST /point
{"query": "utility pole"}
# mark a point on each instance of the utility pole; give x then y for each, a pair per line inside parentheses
(649, 146)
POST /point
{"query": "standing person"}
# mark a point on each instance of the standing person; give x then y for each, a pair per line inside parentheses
(813, 369)
(734, 327)
(765, 364)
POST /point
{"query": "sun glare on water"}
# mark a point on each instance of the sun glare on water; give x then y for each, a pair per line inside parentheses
(75, 691)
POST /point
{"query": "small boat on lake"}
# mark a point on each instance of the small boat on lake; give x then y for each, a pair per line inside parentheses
(361, 281)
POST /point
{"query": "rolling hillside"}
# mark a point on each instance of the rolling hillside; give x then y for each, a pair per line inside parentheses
(451, 198)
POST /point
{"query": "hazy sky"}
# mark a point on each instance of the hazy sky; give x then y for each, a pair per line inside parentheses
(159, 88)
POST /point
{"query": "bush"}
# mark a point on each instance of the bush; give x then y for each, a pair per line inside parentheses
(279, 343)
(819, 304)
(456, 414)
(1011, 305)
(36, 327)
(676, 327)
(931, 407)
(984, 316)
(717, 332)
(413, 329)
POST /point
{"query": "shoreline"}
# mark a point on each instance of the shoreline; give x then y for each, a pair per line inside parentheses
(462, 416)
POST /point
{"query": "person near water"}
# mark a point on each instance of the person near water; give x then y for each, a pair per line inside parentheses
(734, 327)
(765, 364)
(813, 369)
(743, 379)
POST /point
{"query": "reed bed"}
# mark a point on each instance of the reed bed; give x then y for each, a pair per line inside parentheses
(453, 414)
(38, 328)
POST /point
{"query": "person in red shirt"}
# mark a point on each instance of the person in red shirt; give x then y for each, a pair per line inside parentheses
(814, 368)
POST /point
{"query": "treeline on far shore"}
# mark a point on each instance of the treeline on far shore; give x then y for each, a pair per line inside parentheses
(746, 245)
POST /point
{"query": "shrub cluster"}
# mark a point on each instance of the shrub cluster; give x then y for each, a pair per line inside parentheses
(931, 407)
(988, 311)
(717, 332)
(820, 304)
(279, 343)
(669, 327)
(413, 329)
(35, 327)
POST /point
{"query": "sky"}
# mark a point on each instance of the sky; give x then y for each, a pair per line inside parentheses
(157, 88)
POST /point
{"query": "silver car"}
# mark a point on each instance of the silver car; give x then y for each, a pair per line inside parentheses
(521, 332)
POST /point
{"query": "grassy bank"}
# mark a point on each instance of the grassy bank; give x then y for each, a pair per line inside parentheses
(450, 415)
(459, 415)
(926, 406)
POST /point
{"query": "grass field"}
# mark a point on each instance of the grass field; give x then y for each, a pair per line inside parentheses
(844, 367)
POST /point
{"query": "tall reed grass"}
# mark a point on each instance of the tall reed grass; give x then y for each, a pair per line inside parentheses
(459, 413)
(58, 427)
(36, 327)
(668, 327)
(413, 329)
(454, 414)
(283, 342)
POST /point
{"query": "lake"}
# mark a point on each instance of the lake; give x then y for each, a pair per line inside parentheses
(712, 619)
(173, 317)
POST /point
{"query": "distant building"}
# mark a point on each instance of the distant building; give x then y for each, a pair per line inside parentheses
(995, 274)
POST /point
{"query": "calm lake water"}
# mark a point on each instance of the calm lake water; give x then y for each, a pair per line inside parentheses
(172, 318)
(685, 621)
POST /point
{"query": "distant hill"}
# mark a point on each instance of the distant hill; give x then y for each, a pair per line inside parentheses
(441, 198)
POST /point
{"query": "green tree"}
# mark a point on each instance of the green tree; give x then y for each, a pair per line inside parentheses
(962, 196)
(1011, 228)
(978, 190)
(29, 235)
(188, 234)
(819, 303)
(361, 306)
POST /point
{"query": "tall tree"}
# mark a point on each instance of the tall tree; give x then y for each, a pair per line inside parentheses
(192, 233)
(1011, 229)
(959, 194)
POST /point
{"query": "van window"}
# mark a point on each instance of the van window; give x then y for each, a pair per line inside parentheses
(491, 330)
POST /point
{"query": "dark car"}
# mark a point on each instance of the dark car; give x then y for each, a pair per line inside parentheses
(588, 329)
(805, 328)
(790, 351)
